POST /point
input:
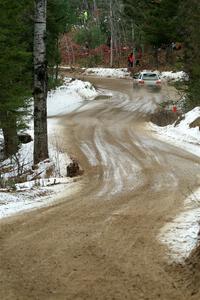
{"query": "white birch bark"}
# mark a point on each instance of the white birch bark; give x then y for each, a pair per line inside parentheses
(40, 83)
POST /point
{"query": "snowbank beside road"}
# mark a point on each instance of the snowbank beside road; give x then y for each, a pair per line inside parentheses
(31, 197)
(62, 100)
(175, 76)
(182, 135)
(181, 235)
(123, 73)
(69, 96)
(108, 72)
(35, 193)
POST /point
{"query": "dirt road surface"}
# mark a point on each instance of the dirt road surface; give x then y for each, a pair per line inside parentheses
(101, 242)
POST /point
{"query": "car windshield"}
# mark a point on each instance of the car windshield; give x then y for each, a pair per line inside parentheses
(149, 76)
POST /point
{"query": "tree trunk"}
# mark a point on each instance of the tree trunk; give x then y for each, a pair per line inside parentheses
(57, 59)
(9, 128)
(168, 56)
(155, 57)
(95, 12)
(40, 83)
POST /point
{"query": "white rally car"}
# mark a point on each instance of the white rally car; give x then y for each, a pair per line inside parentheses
(147, 79)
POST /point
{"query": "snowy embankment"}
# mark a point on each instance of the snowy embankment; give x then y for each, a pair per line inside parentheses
(175, 76)
(123, 73)
(38, 190)
(182, 234)
(183, 134)
(108, 72)
(69, 96)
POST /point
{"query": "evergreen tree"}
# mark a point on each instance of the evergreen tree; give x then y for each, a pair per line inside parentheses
(156, 18)
(15, 67)
(190, 16)
(16, 58)
(161, 24)
(60, 16)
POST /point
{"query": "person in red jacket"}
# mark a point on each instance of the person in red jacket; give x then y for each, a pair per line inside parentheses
(131, 60)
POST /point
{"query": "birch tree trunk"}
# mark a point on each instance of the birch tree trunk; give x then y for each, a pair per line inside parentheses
(95, 12)
(40, 83)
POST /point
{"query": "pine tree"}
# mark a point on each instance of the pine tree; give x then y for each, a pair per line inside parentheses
(190, 18)
(157, 19)
(15, 67)
(16, 59)
(60, 16)
(161, 23)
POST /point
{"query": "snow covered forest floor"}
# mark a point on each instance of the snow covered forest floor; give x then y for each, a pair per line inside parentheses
(41, 185)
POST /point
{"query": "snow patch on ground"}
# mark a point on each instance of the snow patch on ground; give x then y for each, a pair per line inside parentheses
(175, 76)
(89, 152)
(125, 177)
(181, 235)
(38, 190)
(69, 96)
(181, 135)
(123, 73)
(108, 72)
(35, 194)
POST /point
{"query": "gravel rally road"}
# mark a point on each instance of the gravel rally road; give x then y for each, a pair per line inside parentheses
(101, 242)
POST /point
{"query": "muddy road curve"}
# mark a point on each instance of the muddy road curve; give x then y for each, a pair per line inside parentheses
(101, 242)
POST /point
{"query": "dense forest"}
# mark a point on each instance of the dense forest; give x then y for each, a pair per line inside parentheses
(91, 25)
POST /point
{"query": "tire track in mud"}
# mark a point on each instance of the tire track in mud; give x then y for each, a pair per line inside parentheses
(122, 147)
(121, 170)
